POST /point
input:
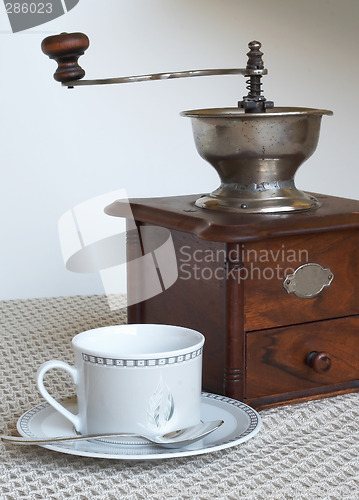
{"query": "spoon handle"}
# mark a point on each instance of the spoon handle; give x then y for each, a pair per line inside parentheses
(22, 440)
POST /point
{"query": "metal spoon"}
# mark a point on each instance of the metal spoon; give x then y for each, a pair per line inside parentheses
(174, 439)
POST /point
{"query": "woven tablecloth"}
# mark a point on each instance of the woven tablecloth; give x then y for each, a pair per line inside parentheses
(308, 450)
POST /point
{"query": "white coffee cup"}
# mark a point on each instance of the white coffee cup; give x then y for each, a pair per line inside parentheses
(144, 379)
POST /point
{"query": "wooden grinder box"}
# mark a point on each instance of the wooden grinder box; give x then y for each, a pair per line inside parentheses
(273, 335)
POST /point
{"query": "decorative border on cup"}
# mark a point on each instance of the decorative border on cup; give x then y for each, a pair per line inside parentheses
(140, 363)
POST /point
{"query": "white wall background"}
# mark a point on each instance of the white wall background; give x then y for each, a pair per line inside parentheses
(62, 147)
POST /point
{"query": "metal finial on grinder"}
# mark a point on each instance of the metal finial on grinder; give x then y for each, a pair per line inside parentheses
(255, 102)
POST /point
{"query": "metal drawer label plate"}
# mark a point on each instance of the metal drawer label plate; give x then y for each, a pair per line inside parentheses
(308, 280)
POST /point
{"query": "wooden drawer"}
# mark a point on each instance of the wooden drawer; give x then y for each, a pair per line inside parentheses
(267, 303)
(277, 358)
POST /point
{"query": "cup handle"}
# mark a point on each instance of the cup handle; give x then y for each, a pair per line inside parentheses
(48, 365)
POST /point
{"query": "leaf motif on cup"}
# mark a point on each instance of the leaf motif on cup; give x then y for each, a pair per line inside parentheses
(170, 407)
(160, 406)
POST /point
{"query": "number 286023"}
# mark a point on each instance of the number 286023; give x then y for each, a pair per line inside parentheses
(28, 8)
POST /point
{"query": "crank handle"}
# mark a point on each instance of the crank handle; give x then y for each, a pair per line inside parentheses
(66, 49)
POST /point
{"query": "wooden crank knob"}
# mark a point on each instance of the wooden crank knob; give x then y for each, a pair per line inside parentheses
(319, 361)
(66, 48)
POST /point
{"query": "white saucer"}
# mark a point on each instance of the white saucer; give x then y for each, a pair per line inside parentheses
(241, 423)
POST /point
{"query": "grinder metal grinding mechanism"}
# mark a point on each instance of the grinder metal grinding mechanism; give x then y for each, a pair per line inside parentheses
(256, 148)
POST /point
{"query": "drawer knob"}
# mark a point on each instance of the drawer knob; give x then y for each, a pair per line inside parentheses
(319, 361)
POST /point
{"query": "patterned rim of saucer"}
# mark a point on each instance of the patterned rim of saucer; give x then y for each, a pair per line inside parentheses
(241, 423)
